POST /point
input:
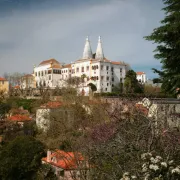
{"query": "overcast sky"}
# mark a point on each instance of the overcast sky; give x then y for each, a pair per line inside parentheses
(35, 30)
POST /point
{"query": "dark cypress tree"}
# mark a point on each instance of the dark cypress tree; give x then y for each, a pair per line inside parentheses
(167, 36)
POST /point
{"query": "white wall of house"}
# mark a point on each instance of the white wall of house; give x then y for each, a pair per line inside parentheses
(141, 77)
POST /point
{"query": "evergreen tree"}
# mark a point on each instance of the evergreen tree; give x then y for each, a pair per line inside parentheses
(167, 37)
(131, 84)
(21, 158)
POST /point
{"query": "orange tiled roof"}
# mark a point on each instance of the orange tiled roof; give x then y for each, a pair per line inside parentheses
(65, 160)
(105, 60)
(16, 87)
(140, 73)
(52, 104)
(53, 61)
(67, 66)
(115, 62)
(2, 79)
(19, 117)
(56, 66)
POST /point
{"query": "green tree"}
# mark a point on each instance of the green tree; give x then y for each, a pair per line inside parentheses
(118, 88)
(131, 84)
(21, 158)
(4, 108)
(93, 87)
(46, 173)
(167, 37)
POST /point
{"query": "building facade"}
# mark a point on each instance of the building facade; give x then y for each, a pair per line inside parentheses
(67, 165)
(93, 68)
(141, 77)
(4, 85)
(28, 81)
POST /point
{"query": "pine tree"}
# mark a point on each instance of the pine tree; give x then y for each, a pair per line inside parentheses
(167, 36)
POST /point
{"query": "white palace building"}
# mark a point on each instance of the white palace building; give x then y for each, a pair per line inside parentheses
(96, 69)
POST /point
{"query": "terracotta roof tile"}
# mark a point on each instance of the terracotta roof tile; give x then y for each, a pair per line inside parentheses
(116, 63)
(2, 79)
(19, 117)
(52, 104)
(67, 66)
(16, 87)
(65, 160)
(140, 73)
(54, 61)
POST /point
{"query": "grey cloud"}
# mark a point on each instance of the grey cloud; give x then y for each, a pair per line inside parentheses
(30, 37)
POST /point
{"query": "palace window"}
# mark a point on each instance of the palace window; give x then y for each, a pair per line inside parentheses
(112, 69)
(107, 84)
(107, 78)
(87, 68)
(112, 79)
(107, 68)
(82, 69)
(120, 80)
(77, 69)
(102, 77)
(101, 67)
(121, 70)
(95, 67)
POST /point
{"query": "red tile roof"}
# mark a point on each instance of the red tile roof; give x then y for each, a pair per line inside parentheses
(65, 160)
(140, 73)
(19, 117)
(116, 63)
(52, 104)
(2, 79)
(67, 66)
(53, 61)
(16, 87)
(57, 66)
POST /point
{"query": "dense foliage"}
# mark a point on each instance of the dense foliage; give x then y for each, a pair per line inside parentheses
(131, 84)
(21, 158)
(167, 37)
(4, 108)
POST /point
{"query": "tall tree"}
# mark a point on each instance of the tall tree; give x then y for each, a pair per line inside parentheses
(131, 84)
(21, 158)
(167, 37)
